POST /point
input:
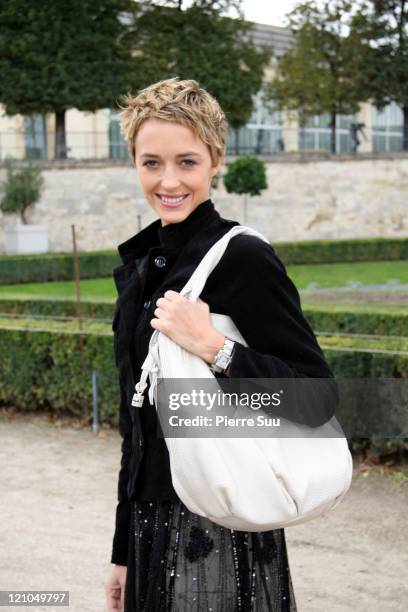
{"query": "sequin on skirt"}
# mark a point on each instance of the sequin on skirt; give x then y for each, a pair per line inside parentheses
(182, 562)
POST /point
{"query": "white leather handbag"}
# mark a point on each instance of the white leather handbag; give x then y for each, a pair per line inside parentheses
(247, 484)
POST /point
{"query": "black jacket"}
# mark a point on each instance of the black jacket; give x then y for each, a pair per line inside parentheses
(249, 284)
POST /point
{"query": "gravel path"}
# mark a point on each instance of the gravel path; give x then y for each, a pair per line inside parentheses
(58, 484)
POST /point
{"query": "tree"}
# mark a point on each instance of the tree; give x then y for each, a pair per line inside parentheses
(383, 25)
(21, 190)
(199, 42)
(322, 71)
(246, 175)
(60, 55)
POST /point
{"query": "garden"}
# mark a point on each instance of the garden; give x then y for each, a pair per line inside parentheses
(357, 309)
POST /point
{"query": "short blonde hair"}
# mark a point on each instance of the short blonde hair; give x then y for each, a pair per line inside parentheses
(181, 101)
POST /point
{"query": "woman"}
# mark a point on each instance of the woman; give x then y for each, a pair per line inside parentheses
(165, 557)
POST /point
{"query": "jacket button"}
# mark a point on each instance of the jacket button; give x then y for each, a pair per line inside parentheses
(160, 261)
(147, 304)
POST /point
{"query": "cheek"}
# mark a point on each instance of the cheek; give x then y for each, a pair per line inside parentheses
(200, 178)
(146, 179)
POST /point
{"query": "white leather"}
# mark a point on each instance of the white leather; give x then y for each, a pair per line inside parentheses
(248, 484)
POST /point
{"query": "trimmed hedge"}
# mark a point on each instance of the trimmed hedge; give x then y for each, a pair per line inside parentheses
(357, 322)
(336, 251)
(16, 269)
(343, 320)
(42, 370)
(355, 365)
(57, 308)
(99, 264)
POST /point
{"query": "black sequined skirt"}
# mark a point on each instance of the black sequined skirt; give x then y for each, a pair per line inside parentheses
(181, 562)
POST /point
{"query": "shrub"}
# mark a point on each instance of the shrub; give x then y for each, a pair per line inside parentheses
(21, 190)
(246, 175)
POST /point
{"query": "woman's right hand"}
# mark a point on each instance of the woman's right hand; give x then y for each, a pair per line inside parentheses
(115, 589)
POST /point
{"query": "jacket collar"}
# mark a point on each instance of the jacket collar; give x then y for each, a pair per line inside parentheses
(172, 235)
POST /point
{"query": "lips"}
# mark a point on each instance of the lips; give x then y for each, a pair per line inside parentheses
(171, 201)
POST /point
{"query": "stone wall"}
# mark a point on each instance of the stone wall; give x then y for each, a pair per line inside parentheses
(305, 200)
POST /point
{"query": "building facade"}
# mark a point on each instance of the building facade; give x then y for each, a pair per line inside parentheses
(268, 132)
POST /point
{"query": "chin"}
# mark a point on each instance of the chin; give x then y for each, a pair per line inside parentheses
(174, 217)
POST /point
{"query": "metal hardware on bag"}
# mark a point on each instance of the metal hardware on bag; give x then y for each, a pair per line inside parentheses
(138, 396)
(137, 399)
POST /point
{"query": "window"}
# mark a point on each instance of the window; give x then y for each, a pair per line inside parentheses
(388, 128)
(35, 136)
(262, 135)
(117, 145)
(316, 133)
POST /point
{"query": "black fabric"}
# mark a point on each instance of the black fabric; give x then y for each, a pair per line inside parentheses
(249, 284)
(182, 562)
(153, 480)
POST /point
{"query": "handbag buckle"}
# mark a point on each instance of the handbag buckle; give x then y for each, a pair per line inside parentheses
(137, 399)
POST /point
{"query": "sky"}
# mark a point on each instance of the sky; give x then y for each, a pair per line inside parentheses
(271, 12)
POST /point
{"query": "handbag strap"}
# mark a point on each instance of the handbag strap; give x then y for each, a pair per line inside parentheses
(191, 290)
(197, 280)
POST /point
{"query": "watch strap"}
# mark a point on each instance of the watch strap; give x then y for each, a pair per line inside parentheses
(223, 358)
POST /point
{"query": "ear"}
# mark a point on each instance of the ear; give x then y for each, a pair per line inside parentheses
(216, 168)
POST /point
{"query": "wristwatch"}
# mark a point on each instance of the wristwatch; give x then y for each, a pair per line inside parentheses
(224, 356)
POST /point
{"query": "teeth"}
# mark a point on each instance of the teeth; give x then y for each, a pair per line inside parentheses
(172, 200)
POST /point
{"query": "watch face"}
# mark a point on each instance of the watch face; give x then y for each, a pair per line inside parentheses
(223, 361)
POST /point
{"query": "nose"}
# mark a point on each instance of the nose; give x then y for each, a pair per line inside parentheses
(169, 180)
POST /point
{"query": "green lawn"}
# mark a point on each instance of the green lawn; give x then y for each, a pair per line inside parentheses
(368, 344)
(370, 307)
(101, 288)
(338, 274)
(328, 275)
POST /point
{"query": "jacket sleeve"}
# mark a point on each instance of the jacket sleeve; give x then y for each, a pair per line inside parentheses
(119, 554)
(265, 306)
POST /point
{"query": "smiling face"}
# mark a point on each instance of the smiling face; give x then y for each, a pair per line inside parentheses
(174, 168)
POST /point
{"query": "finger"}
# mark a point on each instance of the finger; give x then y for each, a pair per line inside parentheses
(156, 324)
(113, 598)
(171, 295)
(162, 302)
(165, 302)
(162, 325)
(159, 312)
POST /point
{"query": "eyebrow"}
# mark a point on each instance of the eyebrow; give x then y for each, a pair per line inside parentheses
(179, 155)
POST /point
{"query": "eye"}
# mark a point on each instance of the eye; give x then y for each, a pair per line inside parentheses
(149, 161)
(191, 162)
